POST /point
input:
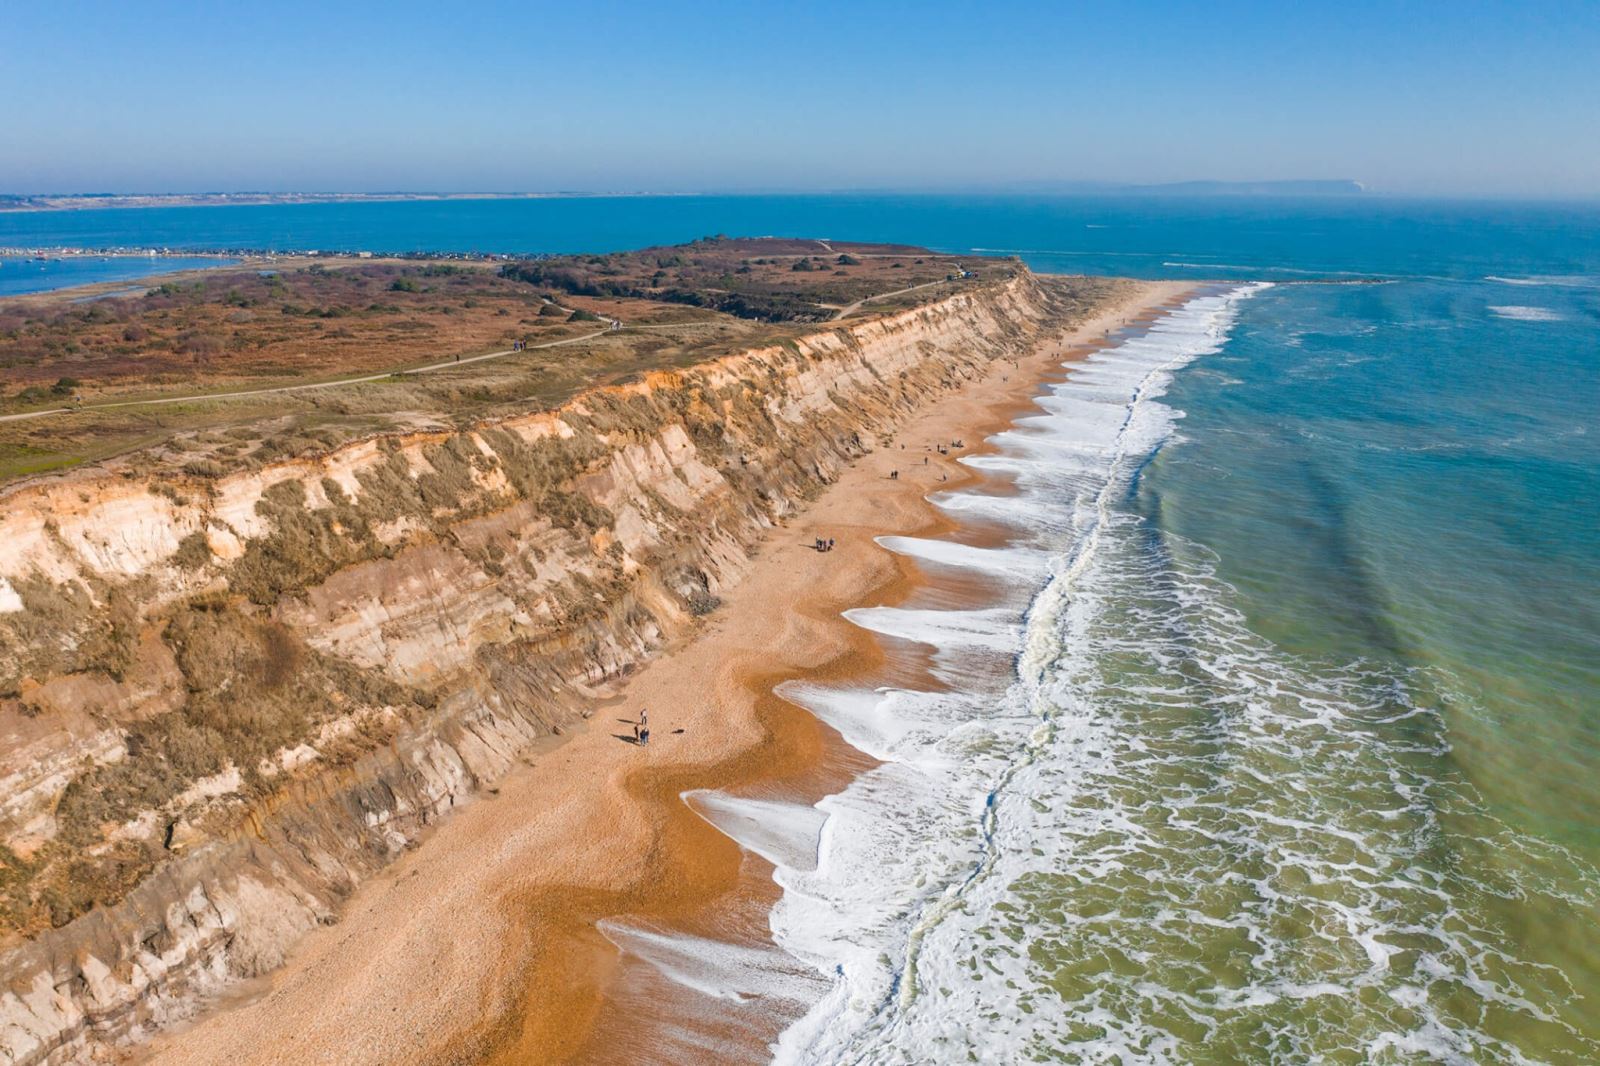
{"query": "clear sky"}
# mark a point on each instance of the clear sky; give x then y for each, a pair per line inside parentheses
(1454, 98)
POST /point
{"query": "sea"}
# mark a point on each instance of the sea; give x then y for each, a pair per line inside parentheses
(1276, 735)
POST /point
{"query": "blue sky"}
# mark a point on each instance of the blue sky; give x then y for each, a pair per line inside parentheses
(1412, 98)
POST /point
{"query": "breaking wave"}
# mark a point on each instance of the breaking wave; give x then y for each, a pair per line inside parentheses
(1124, 826)
(1527, 314)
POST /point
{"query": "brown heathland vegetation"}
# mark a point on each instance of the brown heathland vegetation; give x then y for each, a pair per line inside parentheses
(194, 338)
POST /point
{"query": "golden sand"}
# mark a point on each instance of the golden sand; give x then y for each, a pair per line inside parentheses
(481, 944)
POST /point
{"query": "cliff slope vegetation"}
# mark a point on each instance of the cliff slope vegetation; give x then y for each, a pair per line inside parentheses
(226, 698)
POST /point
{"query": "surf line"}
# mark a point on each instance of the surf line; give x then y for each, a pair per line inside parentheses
(1036, 655)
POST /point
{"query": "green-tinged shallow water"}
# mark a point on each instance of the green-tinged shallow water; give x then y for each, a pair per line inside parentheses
(1396, 488)
(1341, 683)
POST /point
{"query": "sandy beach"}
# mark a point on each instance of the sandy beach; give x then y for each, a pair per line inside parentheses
(481, 944)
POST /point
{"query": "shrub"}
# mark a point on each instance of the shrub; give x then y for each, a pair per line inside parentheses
(702, 603)
(67, 627)
(193, 552)
(199, 345)
(304, 547)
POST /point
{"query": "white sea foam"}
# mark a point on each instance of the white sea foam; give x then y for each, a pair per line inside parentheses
(713, 967)
(1118, 790)
(1567, 281)
(1519, 313)
(1067, 252)
(990, 629)
(785, 834)
(1277, 269)
(903, 839)
(1016, 564)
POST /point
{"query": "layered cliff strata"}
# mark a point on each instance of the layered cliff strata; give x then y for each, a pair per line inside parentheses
(224, 702)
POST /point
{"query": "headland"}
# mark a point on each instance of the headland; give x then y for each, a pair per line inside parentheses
(331, 732)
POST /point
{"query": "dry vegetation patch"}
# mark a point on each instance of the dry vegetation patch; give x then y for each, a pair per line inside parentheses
(236, 329)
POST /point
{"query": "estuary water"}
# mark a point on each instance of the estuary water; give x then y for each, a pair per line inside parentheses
(1279, 739)
(25, 274)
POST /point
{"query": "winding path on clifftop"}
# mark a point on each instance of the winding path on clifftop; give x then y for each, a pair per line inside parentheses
(850, 309)
(611, 326)
(446, 365)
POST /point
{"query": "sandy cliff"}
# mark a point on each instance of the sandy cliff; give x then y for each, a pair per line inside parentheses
(224, 702)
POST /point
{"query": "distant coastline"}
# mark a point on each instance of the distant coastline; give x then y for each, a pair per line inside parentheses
(104, 201)
(68, 251)
(17, 202)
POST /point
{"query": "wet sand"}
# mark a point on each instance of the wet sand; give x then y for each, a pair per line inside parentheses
(482, 944)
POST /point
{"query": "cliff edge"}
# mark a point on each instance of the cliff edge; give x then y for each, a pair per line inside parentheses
(225, 701)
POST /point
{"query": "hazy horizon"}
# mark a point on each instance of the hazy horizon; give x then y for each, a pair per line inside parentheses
(1123, 193)
(1486, 101)
(1203, 186)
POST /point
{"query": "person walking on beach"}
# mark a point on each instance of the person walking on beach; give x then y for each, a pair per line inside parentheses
(644, 718)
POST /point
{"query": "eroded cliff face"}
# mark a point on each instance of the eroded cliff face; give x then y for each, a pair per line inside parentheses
(226, 702)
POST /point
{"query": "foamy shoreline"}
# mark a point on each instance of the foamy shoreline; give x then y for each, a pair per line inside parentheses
(596, 828)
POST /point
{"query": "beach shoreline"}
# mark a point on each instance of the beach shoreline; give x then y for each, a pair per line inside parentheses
(494, 918)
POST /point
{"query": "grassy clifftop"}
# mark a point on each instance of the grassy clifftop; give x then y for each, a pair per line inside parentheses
(191, 342)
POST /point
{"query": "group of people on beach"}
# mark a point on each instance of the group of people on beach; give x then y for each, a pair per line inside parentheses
(641, 729)
(823, 544)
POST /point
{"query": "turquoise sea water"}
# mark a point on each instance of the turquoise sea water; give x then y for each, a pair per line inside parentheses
(1289, 747)
(1202, 238)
